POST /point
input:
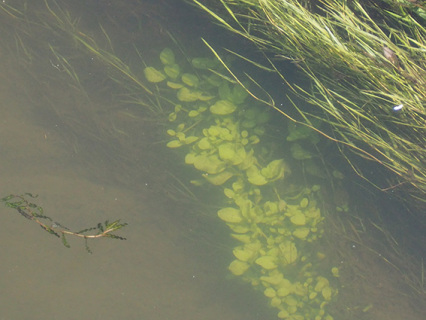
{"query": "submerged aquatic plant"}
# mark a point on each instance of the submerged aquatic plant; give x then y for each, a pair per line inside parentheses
(366, 62)
(219, 129)
(22, 203)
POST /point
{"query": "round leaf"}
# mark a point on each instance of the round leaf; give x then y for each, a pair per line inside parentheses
(234, 153)
(209, 163)
(301, 233)
(218, 179)
(299, 219)
(270, 292)
(304, 203)
(167, 56)
(230, 215)
(243, 254)
(187, 95)
(153, 75)
(266, 262)
(238, 267)
(190, 79)
(274, 170)
(223, 107)
(254, 176)
(172, 70)
(174, 144)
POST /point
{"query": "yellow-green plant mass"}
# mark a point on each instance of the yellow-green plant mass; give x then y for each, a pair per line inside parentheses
(220, 129)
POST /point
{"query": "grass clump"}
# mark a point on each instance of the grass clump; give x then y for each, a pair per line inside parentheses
(366, 62)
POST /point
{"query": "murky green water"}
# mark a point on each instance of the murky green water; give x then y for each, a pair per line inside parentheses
(63, 146)
(67, 135)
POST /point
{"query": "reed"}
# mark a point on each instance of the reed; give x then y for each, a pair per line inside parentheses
(366, 62)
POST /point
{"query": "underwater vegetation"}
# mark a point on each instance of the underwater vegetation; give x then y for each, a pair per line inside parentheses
(30, 210)
(219, 128)
(366, 65)
(217, 124)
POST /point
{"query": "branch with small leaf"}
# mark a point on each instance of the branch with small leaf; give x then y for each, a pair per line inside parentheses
(22, 204)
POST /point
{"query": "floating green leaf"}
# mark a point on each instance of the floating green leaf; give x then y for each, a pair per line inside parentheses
(301, 233)
(174, 144)
(255, 177)
(288, 251)
(267, 262)
(231, 215)
(190, 79)
(218, 179)
(274, 170)
(238, 267)
(190, 139)
(246, 252)
(153, 75)
(298, 219)
(232, 152)
(210, 164)
(193, 113)
(188, 95)
(304, 203)
(223, 107)
(167, 56)
(204, 144)
(172, 70)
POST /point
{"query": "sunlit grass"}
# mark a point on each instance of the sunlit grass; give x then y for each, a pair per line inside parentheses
(367, 68)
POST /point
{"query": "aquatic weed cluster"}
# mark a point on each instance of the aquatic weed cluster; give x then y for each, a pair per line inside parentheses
(219, 128)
